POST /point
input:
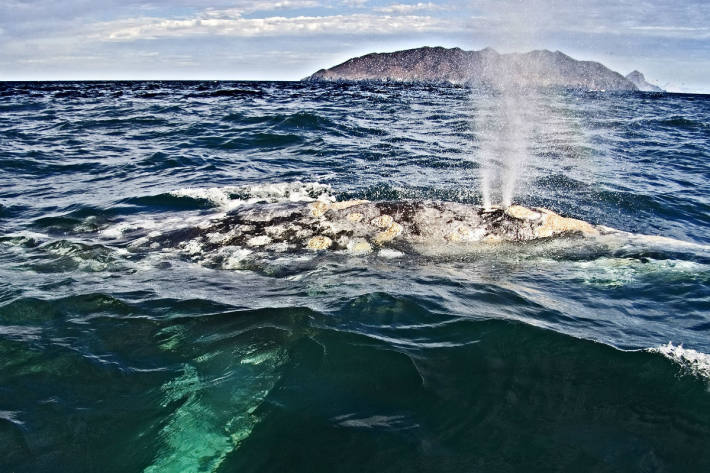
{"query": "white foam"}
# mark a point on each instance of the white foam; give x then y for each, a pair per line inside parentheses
(193, 247)
(260, 240)
(697, 362)
(25, 234)
(389, 253)
(234, 256)
(152, 260)
(153, 225)
(217, 238)
(225, 197)
(281, 247)
(621, 271)
(665, 242)
(138, 242)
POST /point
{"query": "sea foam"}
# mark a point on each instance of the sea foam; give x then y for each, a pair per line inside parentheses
(696, 362)
(229, 197)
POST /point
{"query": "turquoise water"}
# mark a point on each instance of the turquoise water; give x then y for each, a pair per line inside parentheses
(564, 355)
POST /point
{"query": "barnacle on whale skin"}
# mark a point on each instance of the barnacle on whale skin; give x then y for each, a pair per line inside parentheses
(319, 208)
(359, 246)
(346, 204)
(355, 217)
(383, 221)
(554, 224)
(548, 223)
(319, 242)
(464, 233)
(522, 213)
(391, 233)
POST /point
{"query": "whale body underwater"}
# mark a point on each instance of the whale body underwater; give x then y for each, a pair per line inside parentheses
(388, 228)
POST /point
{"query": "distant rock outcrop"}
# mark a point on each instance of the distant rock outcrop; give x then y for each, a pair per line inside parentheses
(486, 67)
(640, 82)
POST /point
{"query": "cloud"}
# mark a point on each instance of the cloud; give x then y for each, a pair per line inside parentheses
(499, 19)
(233, 24)
(673, 31)
(354, 3)
(86, 35)
(400, 8)
(241, 7)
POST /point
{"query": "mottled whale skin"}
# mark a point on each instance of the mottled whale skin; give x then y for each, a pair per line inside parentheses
(360, 227)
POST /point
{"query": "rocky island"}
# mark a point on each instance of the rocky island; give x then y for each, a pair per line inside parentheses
(487, 67)
(640, 82)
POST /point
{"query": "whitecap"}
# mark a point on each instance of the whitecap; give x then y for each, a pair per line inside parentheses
(229, 197)
(697, 362)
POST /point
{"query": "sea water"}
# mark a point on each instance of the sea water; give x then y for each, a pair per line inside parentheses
(117, 354)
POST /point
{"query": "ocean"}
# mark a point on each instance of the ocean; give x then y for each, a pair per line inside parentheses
(136, 336)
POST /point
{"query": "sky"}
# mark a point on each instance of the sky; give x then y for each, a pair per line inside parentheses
(290, 39)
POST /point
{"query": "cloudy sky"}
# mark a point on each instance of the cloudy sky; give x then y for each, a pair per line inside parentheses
(289, 39)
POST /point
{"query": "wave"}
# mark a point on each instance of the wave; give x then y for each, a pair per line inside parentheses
(169, 201)
(141, 121)
(678, 121)
(220, 199)
(168, 162)
(63, 256)
(22, 107)
(213, 387)
(229, 197)
(234, 93)
(693, 361)
(302, 122)
(259, 140)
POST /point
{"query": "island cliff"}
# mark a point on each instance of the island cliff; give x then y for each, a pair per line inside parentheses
(640, 82)
(540, 68)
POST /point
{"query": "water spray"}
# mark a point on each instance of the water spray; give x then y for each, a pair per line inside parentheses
(506, 124)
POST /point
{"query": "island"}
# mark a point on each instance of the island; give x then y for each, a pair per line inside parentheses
(640, 82)
(487, 67)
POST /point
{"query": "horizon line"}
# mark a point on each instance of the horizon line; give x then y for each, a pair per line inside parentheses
(262, 80)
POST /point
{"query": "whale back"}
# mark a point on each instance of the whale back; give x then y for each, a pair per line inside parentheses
(359, 226)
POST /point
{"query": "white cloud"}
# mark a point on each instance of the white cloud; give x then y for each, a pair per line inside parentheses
(354, 3)
(667, 28)
(223, 25)
(400, 8)
(87, 37)
(241, 7)
(687, 32)
(59, 59)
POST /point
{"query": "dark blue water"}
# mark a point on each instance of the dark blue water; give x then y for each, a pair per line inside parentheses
(118, 355)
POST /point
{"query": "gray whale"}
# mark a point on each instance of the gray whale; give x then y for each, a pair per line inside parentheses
(360, 227)
(260, 234)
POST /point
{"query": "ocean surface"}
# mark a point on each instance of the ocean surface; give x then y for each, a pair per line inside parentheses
(119, 354)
